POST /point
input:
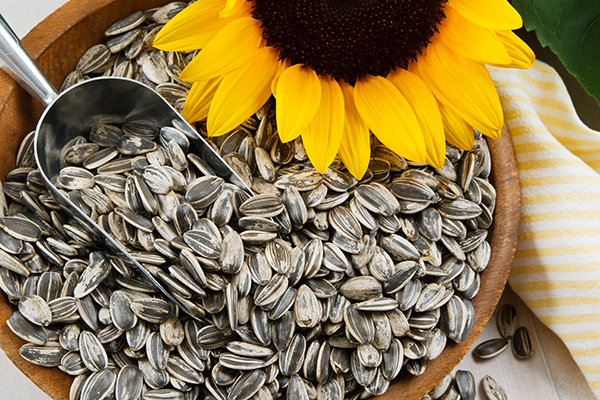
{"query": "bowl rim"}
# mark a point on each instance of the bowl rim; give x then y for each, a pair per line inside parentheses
(503, 237)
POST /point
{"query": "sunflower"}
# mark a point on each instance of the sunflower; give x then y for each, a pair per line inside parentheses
(412, 72)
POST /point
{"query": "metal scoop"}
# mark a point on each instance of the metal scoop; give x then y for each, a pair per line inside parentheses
(73, 112)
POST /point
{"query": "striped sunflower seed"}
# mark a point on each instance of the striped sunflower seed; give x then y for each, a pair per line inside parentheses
(32, 333)
(92, 352)
(522, 344)
(507, 321)
(490, 348)
(492, 389)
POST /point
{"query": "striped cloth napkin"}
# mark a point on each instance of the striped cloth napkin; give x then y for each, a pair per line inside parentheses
(556, 270)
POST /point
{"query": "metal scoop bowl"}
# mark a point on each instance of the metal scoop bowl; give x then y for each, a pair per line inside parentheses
(73, 112)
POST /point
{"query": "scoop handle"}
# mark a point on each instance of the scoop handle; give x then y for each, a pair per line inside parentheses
(17, 63)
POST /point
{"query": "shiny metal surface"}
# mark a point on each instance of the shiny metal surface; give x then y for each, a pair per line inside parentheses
(115, 101)
(73, 112)
(17, 62)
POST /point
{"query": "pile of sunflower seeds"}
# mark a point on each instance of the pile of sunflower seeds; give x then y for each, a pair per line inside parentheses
(128, 53)
(463, 388)
(318, 286)
(507, 323)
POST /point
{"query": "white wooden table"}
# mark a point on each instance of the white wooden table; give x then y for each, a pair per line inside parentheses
(551, 374)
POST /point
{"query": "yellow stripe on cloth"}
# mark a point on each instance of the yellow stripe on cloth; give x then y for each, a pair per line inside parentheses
(556, 270)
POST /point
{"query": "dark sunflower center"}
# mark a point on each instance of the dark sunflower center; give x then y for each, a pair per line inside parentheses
(349, 39)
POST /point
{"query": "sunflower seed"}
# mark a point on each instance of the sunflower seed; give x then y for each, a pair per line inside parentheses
(359, 324)
(35, 310)
(129, 383)
(262, 205)
(460, 209)
(378, 304)
(247, 385)
(331, 200)
(151, 310)
(93, 59)
(368, 355)
(285, 302)
(432, 296)
(410, 189)
(404, 273)
(297, 389)
(46, 356)
(13, 264)
(321, 288)
(322, 372)
(451, 394)
(381, 265)
(156, 351)
(203, 243)
(441, 388)
(120, 311)
(307, 310)
(466, 384)
(62, 308)
(292, 358)
(479, 258)
(522, 344)
(93, 275)
(361, 288)
(10, 244)
(435, 344)
(75, 155)
(88, 312)
(71, 364)
(490, 348)
(492, 389)
(303, 181)
(273, 290)
(92, 352)
(507, 321)
(158, 179)
(363, 375)
(32, 333)
(374, 200)
(240, 363)
(21, 228)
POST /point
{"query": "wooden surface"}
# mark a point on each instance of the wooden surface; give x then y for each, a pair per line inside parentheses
(59, 41)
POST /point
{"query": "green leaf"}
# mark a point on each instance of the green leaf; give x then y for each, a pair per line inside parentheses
(572, 30)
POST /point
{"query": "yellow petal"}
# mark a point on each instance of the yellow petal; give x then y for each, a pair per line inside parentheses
(471, 40)
(493, 14)
(463, 85)
(426, 110)
(193, 27)
(285, 64)
(389, 116)
(231, 7)
(243, 91)
(198, 99)
(355, 148)
(231, 47)
(520, 54)
(458, 132)
(324, 133)
(298, 97)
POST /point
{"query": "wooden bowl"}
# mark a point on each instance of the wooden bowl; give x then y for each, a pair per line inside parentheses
(58, 42)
